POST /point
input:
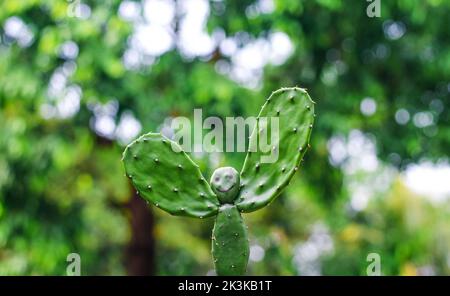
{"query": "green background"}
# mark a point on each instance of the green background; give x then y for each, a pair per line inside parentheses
(62, 185)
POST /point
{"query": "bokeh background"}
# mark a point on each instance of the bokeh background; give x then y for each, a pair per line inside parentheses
(81, 79)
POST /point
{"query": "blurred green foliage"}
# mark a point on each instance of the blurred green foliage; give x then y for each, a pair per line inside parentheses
(62, 185)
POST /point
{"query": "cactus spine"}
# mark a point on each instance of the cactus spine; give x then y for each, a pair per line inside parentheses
(173, 182)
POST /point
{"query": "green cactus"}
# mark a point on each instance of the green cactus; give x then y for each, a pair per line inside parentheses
(173, 182)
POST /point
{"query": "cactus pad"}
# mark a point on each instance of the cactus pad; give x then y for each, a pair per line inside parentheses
(225, 183)
(170, 180)
(263, 182)
(230, 248)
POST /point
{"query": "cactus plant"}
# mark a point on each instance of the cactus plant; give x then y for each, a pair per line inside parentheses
(173, 182)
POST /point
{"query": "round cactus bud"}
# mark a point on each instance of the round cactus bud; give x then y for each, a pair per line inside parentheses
(225, 183)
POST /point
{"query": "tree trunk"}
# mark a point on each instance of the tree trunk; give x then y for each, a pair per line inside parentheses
(140, 253)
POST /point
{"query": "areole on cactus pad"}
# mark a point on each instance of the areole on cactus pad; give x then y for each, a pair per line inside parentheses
(173, 182)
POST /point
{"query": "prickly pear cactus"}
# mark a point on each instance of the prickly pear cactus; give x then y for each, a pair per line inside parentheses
(169, 179)
(262, 182)
(230, 248)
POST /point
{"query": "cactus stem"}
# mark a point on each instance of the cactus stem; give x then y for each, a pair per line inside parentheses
(156, 160)
(294, 129)
(175, 189)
